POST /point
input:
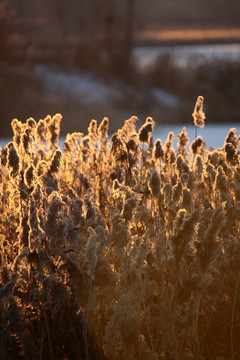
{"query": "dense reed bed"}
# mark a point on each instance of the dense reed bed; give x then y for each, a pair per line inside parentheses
(121, 248)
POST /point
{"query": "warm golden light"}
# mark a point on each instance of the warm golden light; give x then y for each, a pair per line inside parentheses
(123, 243)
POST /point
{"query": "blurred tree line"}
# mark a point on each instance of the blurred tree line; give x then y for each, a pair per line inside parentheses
(90, 29)
(99, 36)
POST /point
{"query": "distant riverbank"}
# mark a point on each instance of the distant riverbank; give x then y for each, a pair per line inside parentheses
(187, 36)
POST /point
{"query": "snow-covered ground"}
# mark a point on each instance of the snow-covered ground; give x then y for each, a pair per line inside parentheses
(185, 55)
(74, 83)
(92, 89)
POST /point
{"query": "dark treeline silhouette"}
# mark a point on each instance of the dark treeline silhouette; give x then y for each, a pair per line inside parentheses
(98, 37)
(108, 24)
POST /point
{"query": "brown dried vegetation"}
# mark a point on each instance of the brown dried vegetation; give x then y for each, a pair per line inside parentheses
(118, 249)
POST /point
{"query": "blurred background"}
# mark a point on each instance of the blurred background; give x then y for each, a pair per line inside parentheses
(93, 58)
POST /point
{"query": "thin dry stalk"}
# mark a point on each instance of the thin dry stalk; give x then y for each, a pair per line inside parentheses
(233, 315)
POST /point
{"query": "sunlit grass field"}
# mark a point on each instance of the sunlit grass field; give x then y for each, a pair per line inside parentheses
(119, 248)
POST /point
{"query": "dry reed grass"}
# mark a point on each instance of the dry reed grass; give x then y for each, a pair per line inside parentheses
(120, 248)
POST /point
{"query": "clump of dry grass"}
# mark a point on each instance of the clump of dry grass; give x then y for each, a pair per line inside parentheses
(118, 248)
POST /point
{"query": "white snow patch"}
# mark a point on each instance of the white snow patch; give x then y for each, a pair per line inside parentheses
(165, 98)
(90, 89)
(185, 55)
(75, 84)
